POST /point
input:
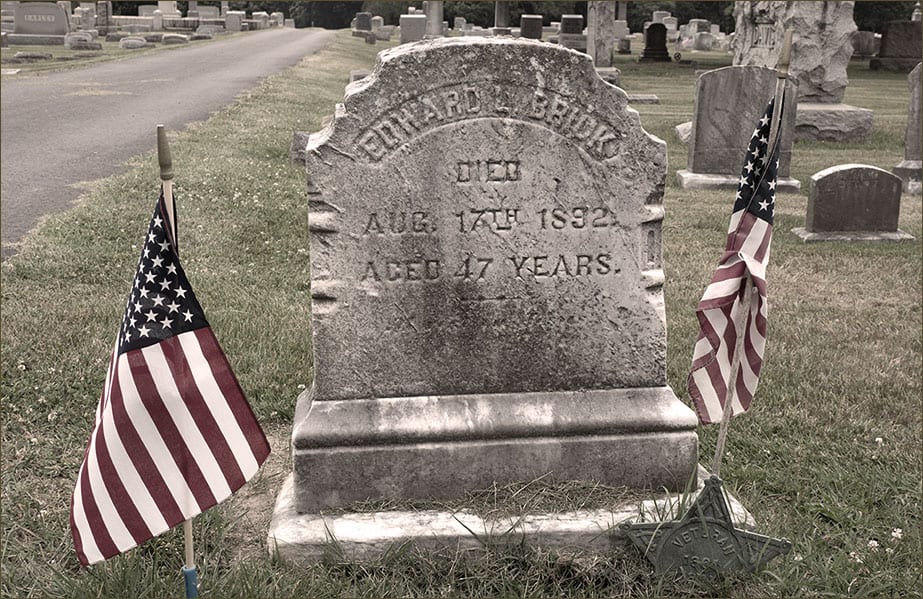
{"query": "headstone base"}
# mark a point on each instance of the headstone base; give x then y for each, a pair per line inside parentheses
(910, 172)
(832, 122)
(441, 447)
(847, 236)
(307, 538)
(690, 180)
(34, 39)
(643, 99)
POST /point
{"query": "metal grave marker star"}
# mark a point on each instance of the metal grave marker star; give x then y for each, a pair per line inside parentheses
(704, 543)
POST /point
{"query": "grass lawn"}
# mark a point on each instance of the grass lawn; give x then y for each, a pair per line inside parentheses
(829, 456)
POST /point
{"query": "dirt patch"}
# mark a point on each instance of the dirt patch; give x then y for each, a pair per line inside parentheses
(252, 506)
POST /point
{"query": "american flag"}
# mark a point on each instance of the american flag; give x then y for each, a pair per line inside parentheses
(745, 257)
(174, 434)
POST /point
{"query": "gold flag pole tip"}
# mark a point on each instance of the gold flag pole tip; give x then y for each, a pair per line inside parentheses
(163, 155)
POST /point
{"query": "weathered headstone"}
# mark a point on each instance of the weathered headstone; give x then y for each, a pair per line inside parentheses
(192, 9)
(704, 42)
(571, 35)
(699, 26)
(104, 16)
(865, 44)
(434, 12)
(77, 37)
(724, 99)
(174, 39)
(225, 7)
(486, 281)
(458, 24)
(168, 8)
(659, 15)
(377, 23)
(41, 18)
(530, 26)
(655, 44)
(233, 20)
(909, 168)
(209, 12)
(132, 43)
(501, 13)
(821, 49)
(901, 47)
(413, 27)
(621, 29)
(364, 21)
(600, 42)
(853, 202)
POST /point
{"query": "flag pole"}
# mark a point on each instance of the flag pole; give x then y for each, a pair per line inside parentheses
(165, 160)
(747, 296)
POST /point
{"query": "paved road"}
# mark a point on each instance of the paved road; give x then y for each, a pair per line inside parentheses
(64, 128)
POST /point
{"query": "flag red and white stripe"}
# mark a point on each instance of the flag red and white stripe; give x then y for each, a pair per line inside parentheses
(744, 260)
(174, 434)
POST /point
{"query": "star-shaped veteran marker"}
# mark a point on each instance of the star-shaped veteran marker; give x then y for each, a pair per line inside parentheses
(704, 542)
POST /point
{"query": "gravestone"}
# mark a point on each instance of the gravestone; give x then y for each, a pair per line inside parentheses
(433, 11)
(364, 21)
(704, 42)
(909, 168)
(146, 10)
(726, 101)
(655, 44)
(600, 42)
(901, 45)
(233, 20)
(225, 7)
(132, 43)
(458, 24)
(853, 202)
(42, 19)
(104, 17)
(621, 29)
(192, 9)
(501, 14)
(571, 34)
(821, 49)
(659, 15)
(168, 9)
(530, 27)
(377, 23)
(865, 44)
(209, 12)
(413, 27)
(698, 26)
(486, 281)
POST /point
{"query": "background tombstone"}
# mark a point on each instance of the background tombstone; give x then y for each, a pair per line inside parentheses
(39, 23)
(364, 21)
(864, 44)
(725, 99)
(413, 27)
(192, 9)
(486, 280)
(901, 47)
(233, 20)
(458, 23)
(571, 35)
(434, 12)
(501, 14)
(530, 26)
(853, 202)
(655, 44)
(821, 49)
(600, 41)
(909, 168)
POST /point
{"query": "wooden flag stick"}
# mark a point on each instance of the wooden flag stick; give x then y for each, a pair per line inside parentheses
(742, 317)
(740, 325)
(166, 177)
(165, 160)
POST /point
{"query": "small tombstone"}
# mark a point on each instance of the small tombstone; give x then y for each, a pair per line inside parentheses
(601, 32)
(699, 26)
(714, 29)
(192, 9)
(225, 7)
(233, 20)
(486, 282)
(132, 43)
(621, 29)
(104, 16)
(655, 44)
(671, 23)
(530, 27)
(413, 27)
(572, 24)
(153, 38)
(501, 13)
(146, 10)
(209, 12)
(157, 21)
(725, 98)
(901, 45)
(704, 42)
(174, 39)
(864, 44)
(433, 11)
(853, 202)
(41, 18)
(459, 23)
(77, 37)
(377, 23)
(200, 36)
(659, 15)
(623, 46)
(909, 168)
(363, 21)
(370, 38)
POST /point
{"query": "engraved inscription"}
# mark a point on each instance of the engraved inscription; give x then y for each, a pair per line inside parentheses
(495, 219)
(563, 114)
(484, 171)
(398, 223)
(579, 217)
(765, 36)
(39, 18)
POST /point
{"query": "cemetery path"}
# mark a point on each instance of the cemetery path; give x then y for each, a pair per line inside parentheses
(63, 129)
